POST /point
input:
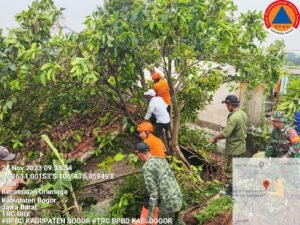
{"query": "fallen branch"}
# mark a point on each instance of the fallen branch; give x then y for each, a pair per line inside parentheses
(200, 205)
(226, 218)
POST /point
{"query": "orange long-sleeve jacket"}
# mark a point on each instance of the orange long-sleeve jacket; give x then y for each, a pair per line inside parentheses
(162, 89)
(157, 147)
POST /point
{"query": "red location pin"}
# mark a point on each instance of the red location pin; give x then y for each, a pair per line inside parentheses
(266, 184)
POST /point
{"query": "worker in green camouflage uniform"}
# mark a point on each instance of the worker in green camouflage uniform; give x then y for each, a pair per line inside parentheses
(235, 134)
(161, 186)
(285, 142)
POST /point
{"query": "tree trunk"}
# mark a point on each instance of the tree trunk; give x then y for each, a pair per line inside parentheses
(143, 81)
(176, 118)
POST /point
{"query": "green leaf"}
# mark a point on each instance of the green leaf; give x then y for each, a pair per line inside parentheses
(8, 105)
(43, 78)
(12, 67)
(119, 157)
(58, 156)
(152, 24)
(50, 74)
(33, 46)
(132, 129)
(46, 66)
(15, 145)
(109, 41)
(45, 187)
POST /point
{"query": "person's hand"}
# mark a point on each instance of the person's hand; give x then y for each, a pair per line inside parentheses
(284, 159)
(214, 140)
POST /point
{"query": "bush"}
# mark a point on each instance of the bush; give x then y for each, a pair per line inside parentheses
(214, 208)
(128, 200)
(195, 139)
(290, 102)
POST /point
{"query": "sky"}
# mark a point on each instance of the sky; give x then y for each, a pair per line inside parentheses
(76, 11)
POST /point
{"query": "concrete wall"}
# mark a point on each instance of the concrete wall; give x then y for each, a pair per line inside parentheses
(252, 102)
(216, 112)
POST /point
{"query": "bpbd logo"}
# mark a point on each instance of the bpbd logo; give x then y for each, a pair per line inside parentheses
(282, 17)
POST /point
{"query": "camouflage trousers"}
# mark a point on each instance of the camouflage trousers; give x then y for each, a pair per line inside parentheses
(170, 219)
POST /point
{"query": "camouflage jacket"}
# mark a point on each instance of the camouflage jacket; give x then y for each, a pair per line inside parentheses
(284, 141)
(161, 186)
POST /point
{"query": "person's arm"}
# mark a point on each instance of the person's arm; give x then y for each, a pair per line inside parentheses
(217, 137)
(149, 111)
(226, 132)
(294, 148)
(155, 87)
(152, 190)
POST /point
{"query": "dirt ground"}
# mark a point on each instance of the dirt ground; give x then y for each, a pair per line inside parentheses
(223, 219)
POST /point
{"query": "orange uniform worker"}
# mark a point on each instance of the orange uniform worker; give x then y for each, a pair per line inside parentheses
(157, 147)
(162, 89)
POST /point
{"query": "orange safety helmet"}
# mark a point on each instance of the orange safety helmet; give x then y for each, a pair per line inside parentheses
(155, 76)
(145, 126)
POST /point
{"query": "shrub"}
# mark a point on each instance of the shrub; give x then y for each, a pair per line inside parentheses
(128, 200)
(215, 208)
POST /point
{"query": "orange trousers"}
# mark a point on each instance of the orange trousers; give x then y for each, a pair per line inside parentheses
(144, 216)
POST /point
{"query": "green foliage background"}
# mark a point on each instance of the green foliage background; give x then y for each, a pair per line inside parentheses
(48, 75)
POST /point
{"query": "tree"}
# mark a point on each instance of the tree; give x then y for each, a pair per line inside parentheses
(37, 87)
(189, 32)
(44, 72)
(180, 34)
(23, 52)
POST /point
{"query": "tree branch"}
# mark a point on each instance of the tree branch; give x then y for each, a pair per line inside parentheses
(118, 91)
